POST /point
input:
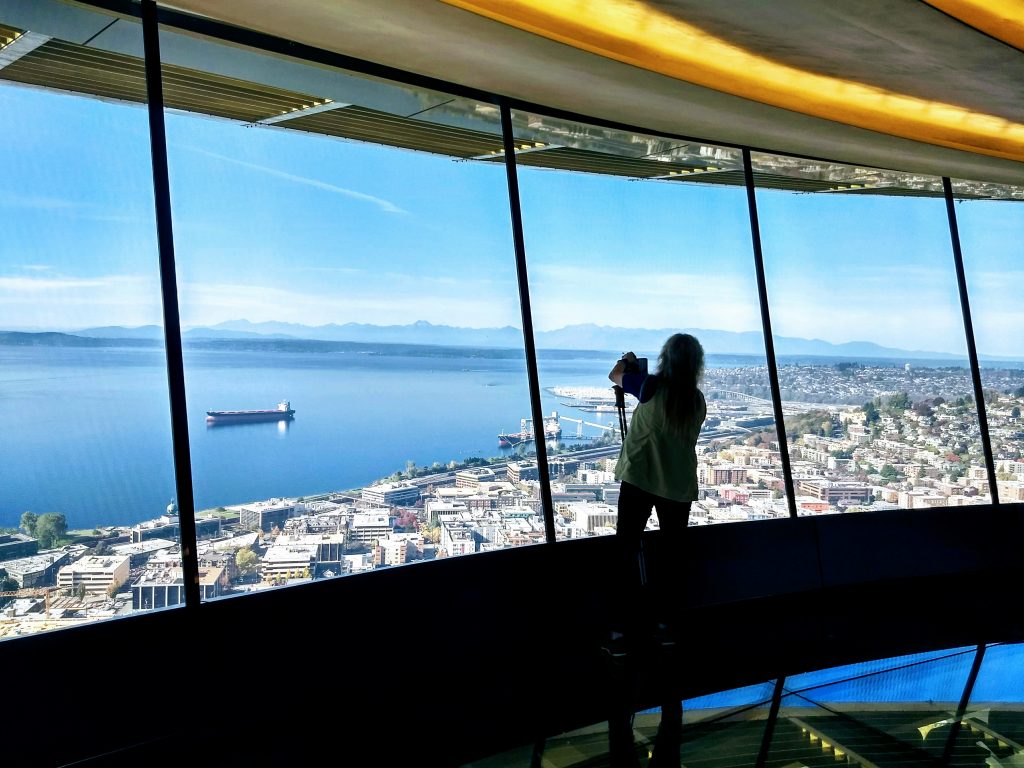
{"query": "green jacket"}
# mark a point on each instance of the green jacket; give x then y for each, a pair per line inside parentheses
(657, 460)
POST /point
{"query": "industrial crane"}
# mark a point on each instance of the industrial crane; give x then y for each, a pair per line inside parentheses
(579, 424)
(32, 592)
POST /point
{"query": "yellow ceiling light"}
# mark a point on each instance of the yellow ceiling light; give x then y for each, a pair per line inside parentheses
(1001, 19)
(633, 32)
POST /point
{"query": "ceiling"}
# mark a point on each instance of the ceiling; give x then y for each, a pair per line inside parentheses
(799, 68)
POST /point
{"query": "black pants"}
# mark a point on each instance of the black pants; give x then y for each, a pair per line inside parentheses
(643, 595)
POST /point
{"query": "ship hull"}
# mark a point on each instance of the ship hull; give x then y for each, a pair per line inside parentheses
(236, 417)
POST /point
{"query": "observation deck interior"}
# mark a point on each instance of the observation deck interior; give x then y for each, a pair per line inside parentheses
(809, 640)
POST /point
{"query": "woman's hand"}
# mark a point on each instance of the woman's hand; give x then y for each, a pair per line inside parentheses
(615, 375)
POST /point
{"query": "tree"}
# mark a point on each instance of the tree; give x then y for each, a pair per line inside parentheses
(50, 527)
(1015, 412)
(7, 584)
(871, 414)
(246, 561)
(889, 472)
(899, 402)
(28, 522)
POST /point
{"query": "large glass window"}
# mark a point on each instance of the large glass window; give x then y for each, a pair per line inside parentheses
(88, 517)
(990, 235)
(869, 338)
(622, 254)
(351, 318)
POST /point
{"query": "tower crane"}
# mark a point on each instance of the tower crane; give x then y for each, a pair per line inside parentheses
(32, 592)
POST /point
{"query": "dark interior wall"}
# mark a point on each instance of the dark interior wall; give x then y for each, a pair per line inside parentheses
(461, 658)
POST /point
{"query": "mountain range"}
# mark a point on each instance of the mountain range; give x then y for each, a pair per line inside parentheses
(645, 341)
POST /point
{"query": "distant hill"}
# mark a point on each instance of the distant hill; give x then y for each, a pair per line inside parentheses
(585, 336)
(582, 336)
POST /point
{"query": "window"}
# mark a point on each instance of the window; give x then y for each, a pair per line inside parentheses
(869, 339)
(87, 501)
(990, 233)
(622, 254)
(350, 314)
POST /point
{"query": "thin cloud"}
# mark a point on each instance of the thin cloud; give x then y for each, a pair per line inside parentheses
(384, 205)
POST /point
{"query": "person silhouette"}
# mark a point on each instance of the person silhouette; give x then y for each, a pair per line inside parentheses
(657, 470)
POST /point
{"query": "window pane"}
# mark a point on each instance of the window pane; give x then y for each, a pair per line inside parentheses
(869, 338)
(88, 529)
(351, 315)
(631, 238)
(991, 232)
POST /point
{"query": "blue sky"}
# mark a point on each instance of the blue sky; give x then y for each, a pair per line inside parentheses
(277, 225)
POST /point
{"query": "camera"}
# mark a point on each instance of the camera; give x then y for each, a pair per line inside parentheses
(635, 366)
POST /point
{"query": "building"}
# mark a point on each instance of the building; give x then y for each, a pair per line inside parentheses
(164, 587)
(96, 574)
(17, 545)
(268, 515)
(37, 570)
(368, 527)
(472, 477)
(519, 471)
(457, 538)
(834, 492)
(392, 551)
(391, 494)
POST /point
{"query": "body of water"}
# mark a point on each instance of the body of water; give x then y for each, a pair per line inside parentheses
(86, 429)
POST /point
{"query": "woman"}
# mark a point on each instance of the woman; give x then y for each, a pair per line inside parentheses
(657, 468)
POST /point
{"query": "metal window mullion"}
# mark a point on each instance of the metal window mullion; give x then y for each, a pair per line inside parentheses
(168, 290)
(527, 314)
(769, 726)
(965, 700)
(769, 341)
(972, 350)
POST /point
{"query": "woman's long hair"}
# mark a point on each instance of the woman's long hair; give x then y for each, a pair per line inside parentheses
(680, 366)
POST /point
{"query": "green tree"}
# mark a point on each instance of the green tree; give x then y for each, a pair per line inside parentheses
(899, 402)
(7, 584)
(1015, 412)
(246, 561)
(28, 522)
(889, 472)
(871, 414)
(50, 527)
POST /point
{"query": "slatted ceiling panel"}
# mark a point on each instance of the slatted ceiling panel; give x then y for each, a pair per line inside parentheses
(566, 158)
(66, 66)
(69, 67)
(8, 33)
(365, 124)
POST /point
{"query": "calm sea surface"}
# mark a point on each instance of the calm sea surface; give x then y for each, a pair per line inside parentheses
(86, 431)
